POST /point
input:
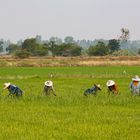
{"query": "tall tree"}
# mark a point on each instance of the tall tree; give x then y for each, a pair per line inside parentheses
(12, 48)
(52, 47)
(34, 48)
(113, 45)
(69, 39)
(125, 34)
(1, 46)
(57, 40)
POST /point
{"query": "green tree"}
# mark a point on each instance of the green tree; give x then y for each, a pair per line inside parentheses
(34, 48)
(100, 49)
(12, 48)
(57, 40)
(53, 47)
(113, 45)
(29, 45)
(22, 54)
(139, 51)
(70, 49)
(69, 40)
(1, 46)
(76, 50)
(125, 35)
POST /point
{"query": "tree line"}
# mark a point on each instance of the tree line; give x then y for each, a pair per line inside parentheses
(32, 47)
(69, 47)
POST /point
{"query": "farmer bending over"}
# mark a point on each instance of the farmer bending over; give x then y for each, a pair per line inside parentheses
(112, 87)
(135, 86)
(48, 88)
(13, 90)
(92, 90)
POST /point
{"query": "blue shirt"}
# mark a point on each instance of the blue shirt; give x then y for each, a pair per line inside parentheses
(14, 90)
(92, 90)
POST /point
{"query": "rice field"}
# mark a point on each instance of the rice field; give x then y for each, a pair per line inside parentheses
(69, 115)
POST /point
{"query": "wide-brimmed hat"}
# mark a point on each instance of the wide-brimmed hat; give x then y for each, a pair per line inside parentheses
(136, 78)
(98, 86)
(6, 85)
(49, 83)
(110, 83)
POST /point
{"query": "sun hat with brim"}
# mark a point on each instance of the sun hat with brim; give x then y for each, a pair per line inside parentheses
(136, 78)
(110, 83)
(6, 85)
(98, 86)
(48, 83)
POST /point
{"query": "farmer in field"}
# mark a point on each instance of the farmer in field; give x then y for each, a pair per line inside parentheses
(13, 90)
(92, 90)
(112, 87)
(48, 88)
(135, 86)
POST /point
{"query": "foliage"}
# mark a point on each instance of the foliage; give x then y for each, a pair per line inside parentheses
(139, 51)
(12, 48)
(100, 49)
(126, 52)
(34, 48)
(22, 54)
(69, 40)
(53, 47)
(125, 35)
(56, 40)
(113, 45)
(70, 49)
(1, 46)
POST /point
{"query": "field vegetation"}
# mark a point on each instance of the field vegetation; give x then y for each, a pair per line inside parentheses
(69, 115)
(9, 61)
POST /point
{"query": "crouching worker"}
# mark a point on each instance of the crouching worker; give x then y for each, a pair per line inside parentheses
(112, 87)
(13, 90)
(135, 86)
(48, 88)
(92, 90)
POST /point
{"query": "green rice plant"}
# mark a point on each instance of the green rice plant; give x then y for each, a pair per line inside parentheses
(70, 115)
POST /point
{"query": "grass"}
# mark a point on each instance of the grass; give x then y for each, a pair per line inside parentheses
(9, 61)
(70, 115)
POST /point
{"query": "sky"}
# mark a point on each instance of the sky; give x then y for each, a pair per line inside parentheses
(82, 19)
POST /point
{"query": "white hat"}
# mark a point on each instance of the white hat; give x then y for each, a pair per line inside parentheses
(49, 83)
(110, 83)
(6, 85)
(136, 78)
(98, 86)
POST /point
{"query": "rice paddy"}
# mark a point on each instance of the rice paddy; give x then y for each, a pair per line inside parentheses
(69, 115)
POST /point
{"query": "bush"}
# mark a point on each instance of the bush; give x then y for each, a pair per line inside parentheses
(22, 54)
(100, 49)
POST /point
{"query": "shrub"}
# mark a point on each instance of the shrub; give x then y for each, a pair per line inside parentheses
(22, 54)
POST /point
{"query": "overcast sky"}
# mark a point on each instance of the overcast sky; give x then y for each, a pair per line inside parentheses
(82, 19)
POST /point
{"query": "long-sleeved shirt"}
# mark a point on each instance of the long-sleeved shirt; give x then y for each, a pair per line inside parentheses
(135, 89)
(92, 90)
(14, 90)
